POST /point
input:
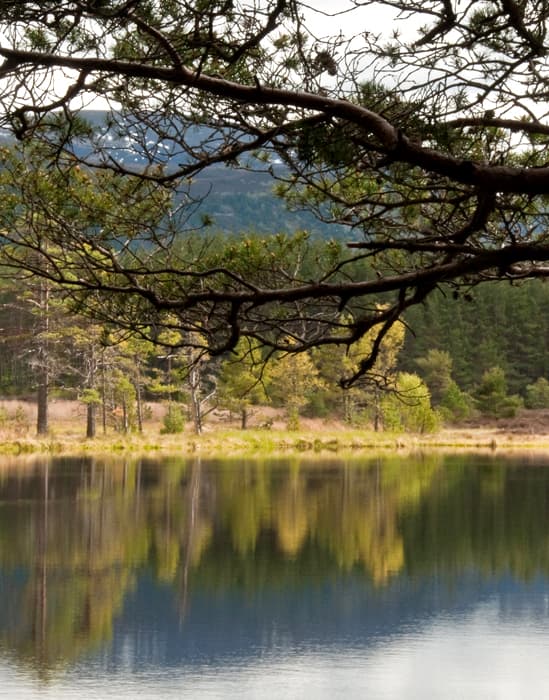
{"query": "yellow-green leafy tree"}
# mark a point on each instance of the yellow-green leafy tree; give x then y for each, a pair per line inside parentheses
(292, 380)
(240, 381)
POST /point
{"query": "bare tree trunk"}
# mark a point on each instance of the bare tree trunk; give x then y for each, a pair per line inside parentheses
(90, 420)
(139, 408)
(194, 390)
(347, 407)
(125, 419)
(195, 382)
(42, 421)
(138, 399)
(103, 395)
(91, 411)
(377, 409)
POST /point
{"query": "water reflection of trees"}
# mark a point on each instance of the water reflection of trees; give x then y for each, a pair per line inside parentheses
(492, 517)
(75, 535)
(76, 543)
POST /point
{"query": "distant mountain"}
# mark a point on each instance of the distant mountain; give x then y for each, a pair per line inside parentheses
(238, 200)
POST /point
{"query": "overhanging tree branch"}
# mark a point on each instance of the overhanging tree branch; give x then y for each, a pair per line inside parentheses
(442, 176)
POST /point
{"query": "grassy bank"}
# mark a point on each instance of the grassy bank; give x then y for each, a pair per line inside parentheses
(225, 442)
(222, 436)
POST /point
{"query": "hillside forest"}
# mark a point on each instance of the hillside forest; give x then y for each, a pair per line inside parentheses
(458, 355)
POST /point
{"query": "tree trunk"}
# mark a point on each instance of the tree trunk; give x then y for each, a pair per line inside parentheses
(90, 420)
(377, 409)
(91, 409)
(194, 391)
(139, 404)
(42, 424)
(347, 408)
(103, 395)
(244, 418)
(196, 415)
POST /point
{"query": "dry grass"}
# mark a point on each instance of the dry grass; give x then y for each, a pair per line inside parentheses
(222, 435)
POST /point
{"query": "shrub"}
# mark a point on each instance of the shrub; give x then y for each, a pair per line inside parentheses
(409, 408)
(456, 405)
(492, 398)
(173, 421)
(537, 394)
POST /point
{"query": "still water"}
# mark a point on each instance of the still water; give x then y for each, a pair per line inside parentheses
(423, 577)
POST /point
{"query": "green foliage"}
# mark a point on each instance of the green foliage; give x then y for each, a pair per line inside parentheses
(173, 421)
(453, 404)
(492, 398)
(240, 383)
(292, 422)
(349, 404)
(436, 370)
(537, 394)
(125, 396)
(90, 396)
(409, 407)
(291, 380)
(456, 405)
(496, 325)
(325, 402)
(346, 145)
(329, 397)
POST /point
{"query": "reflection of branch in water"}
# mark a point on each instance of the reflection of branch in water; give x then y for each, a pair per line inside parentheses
(193, 499)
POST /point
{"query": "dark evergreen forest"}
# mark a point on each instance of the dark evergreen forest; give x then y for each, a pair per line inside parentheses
(497, 325)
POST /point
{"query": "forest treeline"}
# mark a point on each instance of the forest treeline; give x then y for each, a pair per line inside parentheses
(485, 351)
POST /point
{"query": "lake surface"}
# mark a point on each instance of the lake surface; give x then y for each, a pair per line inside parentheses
(423, 577)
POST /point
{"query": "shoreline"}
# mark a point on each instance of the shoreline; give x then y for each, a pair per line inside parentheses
(267, 436)
(234, 442)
